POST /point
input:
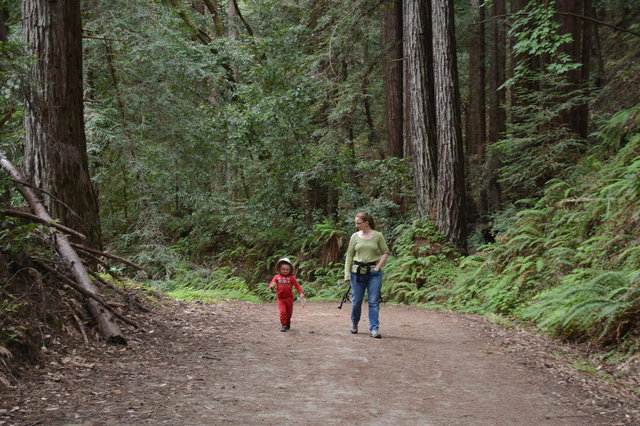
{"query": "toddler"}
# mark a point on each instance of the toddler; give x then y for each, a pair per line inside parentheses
(283, 284)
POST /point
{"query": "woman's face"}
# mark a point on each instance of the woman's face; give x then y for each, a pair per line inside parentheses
(359, 223)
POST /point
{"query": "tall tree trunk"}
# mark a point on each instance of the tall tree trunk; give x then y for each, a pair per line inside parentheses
(496, 101)
(450, 195)
(476, 121)
(476, 118)
(420, 132)
(598, 77)
(55, 145)
(497, 117)
(4, 30)
(392, 74)
(582, 111)
(580, 52)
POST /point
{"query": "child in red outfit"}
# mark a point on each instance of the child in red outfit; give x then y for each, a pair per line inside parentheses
(283, 283)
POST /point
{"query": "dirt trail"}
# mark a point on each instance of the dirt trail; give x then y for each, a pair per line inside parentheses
(230, 364)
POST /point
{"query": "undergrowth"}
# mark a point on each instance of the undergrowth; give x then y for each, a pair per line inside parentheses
(193, 283)
(571, 263)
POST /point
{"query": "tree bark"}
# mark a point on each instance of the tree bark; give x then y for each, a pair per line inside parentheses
(109, 330)
(476, 122)
(419, 109)
(577, 119)
(212, 6)
(497, 98)
(496, 102)
(392, 74)
(450, 195)
(4, 30)
(197, 32)
(55, 145)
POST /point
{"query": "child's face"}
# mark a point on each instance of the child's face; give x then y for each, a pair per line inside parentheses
(285, 269)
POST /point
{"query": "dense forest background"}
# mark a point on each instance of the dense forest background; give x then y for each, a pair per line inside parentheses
(496, 143)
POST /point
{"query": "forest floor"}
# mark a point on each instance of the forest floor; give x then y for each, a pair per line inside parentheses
(230, 364)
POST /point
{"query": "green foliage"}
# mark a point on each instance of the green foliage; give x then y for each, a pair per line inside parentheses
(193, 283)
(539, 143)
(423, 265)
(570, 262)
(227, 153)
(599, 305)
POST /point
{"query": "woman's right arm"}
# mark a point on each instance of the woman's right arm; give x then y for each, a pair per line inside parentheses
(349, 261)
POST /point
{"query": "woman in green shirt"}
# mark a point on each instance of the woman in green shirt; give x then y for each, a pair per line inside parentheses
(366, 254)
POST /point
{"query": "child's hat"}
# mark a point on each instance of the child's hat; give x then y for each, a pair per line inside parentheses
(284, 260)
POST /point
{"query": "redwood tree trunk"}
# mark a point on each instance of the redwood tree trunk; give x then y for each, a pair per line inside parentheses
(420, 130)
(450, 195)
(476, 121)
(476, 117)
(579, 50)
(4, 16)
(55, 146)
(497, 97)
(392, 73)
(496, 101)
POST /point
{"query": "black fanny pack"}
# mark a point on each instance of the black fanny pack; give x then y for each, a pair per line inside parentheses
(366, 266)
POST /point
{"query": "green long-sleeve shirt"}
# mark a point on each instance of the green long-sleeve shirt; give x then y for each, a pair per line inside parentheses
(361, 250)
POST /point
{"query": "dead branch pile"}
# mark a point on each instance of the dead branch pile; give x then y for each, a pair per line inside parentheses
(71, 265)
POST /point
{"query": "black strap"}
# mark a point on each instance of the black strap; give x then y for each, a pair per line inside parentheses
(367, 266)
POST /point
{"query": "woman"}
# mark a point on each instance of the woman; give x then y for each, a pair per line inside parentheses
(366, 254)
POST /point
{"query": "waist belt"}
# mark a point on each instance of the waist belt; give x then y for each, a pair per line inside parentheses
(366, 266)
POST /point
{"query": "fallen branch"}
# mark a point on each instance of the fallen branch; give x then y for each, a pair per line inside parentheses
(105, 254)
(81, 328)
(25, 215)
(109, 330)
(89, 294)
(104, 282)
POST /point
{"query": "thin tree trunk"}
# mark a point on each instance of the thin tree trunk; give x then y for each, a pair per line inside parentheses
(420, 132)
(55, 145)
(212, 6)
(392, 74)
(450, 196)
(197, 32)
(234, 19)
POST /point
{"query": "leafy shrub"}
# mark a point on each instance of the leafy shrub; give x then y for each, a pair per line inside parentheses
(570, 262)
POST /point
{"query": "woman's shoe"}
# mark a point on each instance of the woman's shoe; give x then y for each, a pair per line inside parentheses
(375, 334)
(354, 328)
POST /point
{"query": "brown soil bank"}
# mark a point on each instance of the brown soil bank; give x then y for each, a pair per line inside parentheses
(230, 364)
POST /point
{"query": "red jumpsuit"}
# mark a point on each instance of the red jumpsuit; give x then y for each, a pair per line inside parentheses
(284, 294)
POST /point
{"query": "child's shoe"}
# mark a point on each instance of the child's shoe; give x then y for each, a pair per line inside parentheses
(284, 328)
(354, 328)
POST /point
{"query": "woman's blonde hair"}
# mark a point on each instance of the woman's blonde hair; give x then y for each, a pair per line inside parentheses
(366, 217)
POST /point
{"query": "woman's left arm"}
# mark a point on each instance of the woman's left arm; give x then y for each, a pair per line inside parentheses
(380, 263)
(384, 249)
